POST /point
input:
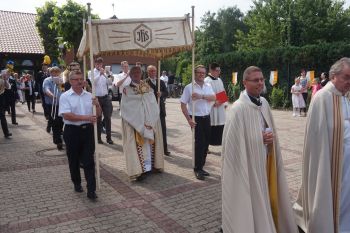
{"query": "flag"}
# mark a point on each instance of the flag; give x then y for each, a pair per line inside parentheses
(273, 77)
(310, 76)
(234, 78)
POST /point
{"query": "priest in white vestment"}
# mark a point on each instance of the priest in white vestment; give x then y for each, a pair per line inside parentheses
(323, 204)
(142, 133)
(217, 113)
(255, 195)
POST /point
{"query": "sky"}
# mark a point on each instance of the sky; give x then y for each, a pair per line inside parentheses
(140, 8)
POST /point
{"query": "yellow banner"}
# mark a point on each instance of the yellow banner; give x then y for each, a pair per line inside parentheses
(273, 77)
(234, 78)
(310, 75)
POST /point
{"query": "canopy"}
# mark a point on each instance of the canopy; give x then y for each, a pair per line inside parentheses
(153, 37)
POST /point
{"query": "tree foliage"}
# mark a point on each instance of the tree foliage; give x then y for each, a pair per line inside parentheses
(217, 30)
(65, 22)
(43, 19)
(274, 23)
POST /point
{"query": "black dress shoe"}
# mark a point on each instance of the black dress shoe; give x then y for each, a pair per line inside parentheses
(99, 141)
(205, 173)
(167, 153)
(141, 177)
(15, 123)
(78, 188)
(199, 175)
(59, 146)
(109, 141)
(91, 195)
(8, 135)
(156, 170)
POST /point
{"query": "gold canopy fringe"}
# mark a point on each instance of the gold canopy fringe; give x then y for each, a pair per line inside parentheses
(158, 53)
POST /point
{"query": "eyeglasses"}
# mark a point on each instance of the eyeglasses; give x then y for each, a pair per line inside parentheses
(256, 80)
(77, 79)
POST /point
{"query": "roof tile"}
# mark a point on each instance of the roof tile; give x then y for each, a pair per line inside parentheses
(19, 33)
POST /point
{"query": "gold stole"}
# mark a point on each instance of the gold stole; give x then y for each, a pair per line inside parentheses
(271, 169)
(271, 172)
(140, 140)
(337, 157)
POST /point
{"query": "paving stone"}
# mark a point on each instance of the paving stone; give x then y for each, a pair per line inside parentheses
(36, 194)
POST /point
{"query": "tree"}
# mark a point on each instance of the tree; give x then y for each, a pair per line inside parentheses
(67, 21)
(216, 33)
(321, 21)
(274, 23)
(268, 23)
(230, 20)
(43, 19)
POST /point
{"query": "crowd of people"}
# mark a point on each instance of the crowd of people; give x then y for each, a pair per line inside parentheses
(300, 91)
(254, 189)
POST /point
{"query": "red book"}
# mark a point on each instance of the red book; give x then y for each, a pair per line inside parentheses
(221, 97)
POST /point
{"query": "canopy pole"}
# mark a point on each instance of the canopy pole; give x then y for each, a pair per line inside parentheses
(97, 160)
(84, 57)
(158, 80)
(193, 82)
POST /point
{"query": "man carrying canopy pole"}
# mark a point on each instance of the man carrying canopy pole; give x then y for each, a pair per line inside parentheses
(202, 94)
(177, 37)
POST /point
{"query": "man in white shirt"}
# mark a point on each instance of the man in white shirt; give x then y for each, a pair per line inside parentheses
(203, 95)
(76, 109)
(165, 78)
(101, 85)
(123, 79)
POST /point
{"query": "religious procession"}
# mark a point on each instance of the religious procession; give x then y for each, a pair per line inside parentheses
(168, 139)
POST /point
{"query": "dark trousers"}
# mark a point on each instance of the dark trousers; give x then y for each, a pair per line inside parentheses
(201, 144)
(107, 108)
(4, 127)
(30, 102)
(45, 106)
(305, 99)
(163, 124)
(80, 147)
(12, 106)
(56, 123)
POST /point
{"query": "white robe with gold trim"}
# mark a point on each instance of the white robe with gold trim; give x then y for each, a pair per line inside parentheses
(246, 206)
(138, 110)
(318, 208)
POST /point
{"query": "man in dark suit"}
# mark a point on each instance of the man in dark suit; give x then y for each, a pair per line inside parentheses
(30, 92)
(39, 79)
(3, 84)
(11, 96)
(152, 80)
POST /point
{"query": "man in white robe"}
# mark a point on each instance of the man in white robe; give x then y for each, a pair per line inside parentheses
(142, 133)
(217, 113)
(255, 195)
(323, 204)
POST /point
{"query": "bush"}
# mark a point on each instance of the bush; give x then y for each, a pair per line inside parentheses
(233, 92)
(277, 98)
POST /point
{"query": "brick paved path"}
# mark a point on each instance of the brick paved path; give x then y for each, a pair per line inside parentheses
(36, 194)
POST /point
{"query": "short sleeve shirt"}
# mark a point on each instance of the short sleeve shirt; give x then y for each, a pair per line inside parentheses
(125, 83)
(71, 102)
(202, 107)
